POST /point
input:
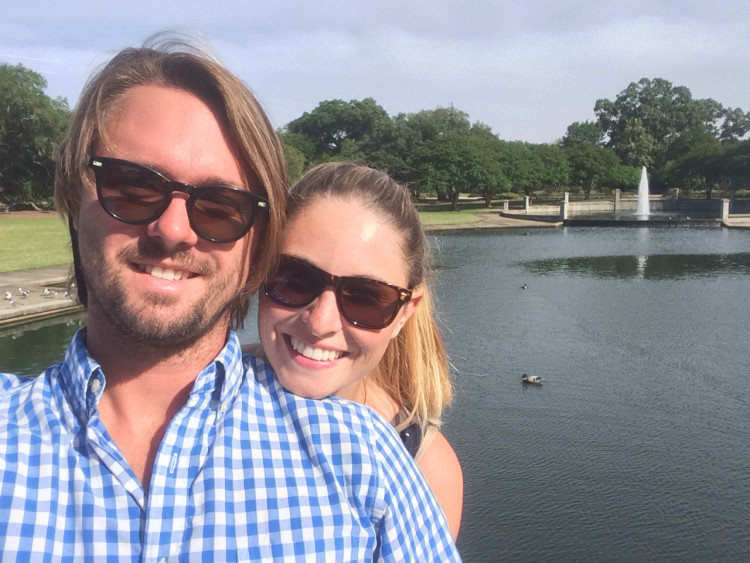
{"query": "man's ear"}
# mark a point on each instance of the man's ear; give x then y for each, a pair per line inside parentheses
(407, 311)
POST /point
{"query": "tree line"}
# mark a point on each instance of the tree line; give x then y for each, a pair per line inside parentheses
(694, 144)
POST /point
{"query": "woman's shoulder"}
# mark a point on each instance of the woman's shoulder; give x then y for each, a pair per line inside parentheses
(435, 448)
(442, 470)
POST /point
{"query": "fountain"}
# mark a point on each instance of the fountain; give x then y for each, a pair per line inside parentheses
(639, 213)
(642, 209)
(663, 211)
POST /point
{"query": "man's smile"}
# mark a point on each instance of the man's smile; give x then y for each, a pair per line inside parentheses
(170, 274)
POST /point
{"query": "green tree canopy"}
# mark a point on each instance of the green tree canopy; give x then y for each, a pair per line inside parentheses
(586, 132)
(453, 162)
(555, 166)
(333, 121)
(31, 128)
(295, 160)
(649, 115)
(520, 165)
(597, 167)
(736, 164)
(428, 124)
(695, 160)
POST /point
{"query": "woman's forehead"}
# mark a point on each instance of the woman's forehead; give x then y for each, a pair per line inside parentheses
(345, 237)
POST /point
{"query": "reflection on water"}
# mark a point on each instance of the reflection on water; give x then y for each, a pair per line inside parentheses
(659, 266)
(29, 349)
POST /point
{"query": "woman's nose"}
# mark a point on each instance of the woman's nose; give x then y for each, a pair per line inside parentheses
(322, 315)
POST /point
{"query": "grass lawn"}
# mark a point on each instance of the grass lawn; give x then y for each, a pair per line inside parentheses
(33, 242)
(429, 218)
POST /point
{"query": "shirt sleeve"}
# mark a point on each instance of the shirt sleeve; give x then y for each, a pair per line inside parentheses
(10, 380)
(413, 527)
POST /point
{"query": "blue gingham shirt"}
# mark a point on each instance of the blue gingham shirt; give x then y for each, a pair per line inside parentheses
(245, 471)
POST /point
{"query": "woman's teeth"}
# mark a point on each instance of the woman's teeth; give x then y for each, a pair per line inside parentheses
(319, 354)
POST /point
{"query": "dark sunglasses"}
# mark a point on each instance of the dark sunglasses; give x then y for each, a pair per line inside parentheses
(364, 302)
(138, 195)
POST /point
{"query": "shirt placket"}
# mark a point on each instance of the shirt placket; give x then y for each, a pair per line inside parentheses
(108, 454)
(181, 455)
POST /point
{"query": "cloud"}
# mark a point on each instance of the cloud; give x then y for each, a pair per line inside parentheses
(526, 70)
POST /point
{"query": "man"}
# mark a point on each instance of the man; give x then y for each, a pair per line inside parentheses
(155, 439)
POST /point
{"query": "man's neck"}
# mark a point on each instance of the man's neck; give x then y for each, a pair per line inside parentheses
(145, 387)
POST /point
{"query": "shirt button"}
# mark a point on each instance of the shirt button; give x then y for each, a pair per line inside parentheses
(223, 407)
(95, 385)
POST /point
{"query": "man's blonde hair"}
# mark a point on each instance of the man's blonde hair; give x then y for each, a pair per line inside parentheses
(171, 61)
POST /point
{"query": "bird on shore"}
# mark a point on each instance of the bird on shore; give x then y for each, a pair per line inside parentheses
(12, 303)
(8, 296)
(524, 286)
(49, 292)
(24, 292)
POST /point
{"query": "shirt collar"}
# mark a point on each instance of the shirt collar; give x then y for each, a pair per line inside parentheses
(85, 381)
(225, 373)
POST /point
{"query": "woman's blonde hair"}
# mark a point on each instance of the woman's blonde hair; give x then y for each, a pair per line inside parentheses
(414, 370)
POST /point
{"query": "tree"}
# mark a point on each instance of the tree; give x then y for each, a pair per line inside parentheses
(520, 165)
(596, 167)
(454, 162)
(482, 171)
(390, 148)
(302, 143)
(333, 121)
(428, 124)
(637, 146)
(555, 167)
(736, 163)
(648, 116)
(695, 160)
(400, 148)
(295, 161)
(735, 125)
(32, 126)
(586, 132)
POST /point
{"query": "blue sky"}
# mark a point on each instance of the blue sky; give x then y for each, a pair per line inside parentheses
(527, 69)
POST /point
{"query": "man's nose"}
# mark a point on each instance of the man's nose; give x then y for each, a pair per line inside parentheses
(322, 315)
(173, 226)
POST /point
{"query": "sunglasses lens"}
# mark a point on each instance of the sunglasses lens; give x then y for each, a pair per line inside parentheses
(222, 214)
(368, 303)
(295, 284)
(363, 302)
(130, 193)
(134, 194)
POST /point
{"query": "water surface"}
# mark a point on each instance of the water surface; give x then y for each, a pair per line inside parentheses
(635, 447)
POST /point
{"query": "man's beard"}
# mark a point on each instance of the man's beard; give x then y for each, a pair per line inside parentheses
(168, 333)
(177, 333)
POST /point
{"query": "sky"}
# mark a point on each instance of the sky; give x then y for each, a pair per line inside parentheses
(527, 69)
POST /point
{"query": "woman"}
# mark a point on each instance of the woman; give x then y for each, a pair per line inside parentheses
(348, 312)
